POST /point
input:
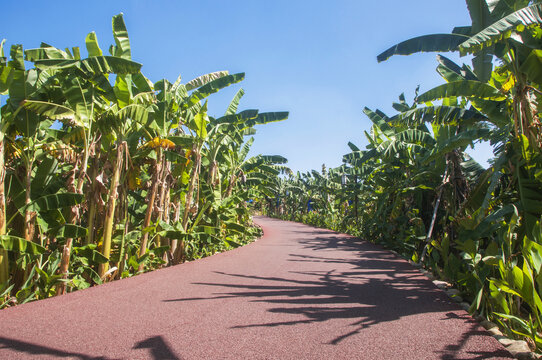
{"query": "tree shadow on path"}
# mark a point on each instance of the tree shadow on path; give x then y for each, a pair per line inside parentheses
(372, 287)
(450, 352)
(35, 350)
(158, 350)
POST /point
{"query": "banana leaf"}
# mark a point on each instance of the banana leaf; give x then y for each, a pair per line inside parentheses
(20, 245)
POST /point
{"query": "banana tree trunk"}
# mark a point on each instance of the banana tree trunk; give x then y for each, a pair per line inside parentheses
(163, 203)
(435, 210)
(174, 242)
(150, 204)
(111, 206)
(167, 209)
(178, 256)
(122, 248)
(213, 170)
(196, 201)
(356, 197)
(29, 215)
(233, 178)
(190, 194)
(4, 261)
(66, 250)
(528, 113)
(163, 208)
(165, 218)
(92, 202)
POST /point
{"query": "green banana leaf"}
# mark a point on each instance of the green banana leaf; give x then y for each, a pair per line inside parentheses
(52, 111)
(20, 245)
(274, 159)
(415, 136)
(352, 146)
(379, 121)
(360, 157)
(205, 79)
(71, 231)
(232, 107)
(502, 8)
(461, 140)
(183, 141)
(532, 66)
(55, 201)
(235, 227)
(502, 29)
(91, 43)
(465, 88)
(212, 87)
(450, 115)
(425, 43)
(239, 118)
(268, 117)
(89, 252)
(46, 52)
(200, 121)
(120, 34)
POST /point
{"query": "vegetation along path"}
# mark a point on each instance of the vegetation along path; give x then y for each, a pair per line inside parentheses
(297, 293)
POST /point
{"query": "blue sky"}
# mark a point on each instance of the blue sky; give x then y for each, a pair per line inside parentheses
(315, 59)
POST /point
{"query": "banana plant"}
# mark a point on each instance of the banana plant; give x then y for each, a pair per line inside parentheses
(94, 158)
(426, 198)
(7, 75)
(86, 98)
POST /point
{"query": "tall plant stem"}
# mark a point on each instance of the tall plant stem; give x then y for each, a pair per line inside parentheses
(179, 251)
(92, 202)
(435, 210)
(163, 204)
(190, 194)
(4, 261)
(122, 249)
(74, 219)
(29, 215)
(356, 197)
(66, 250)
(233, 178)
(83, 170)
(150, 204)
(111, 205)
(176, 217)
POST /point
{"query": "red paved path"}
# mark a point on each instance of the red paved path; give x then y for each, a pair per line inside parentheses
(297, 293)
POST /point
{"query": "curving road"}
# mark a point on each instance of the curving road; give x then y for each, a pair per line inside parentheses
(297, 293)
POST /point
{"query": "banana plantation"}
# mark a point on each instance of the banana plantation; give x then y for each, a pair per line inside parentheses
(416, 190)
(105, 174)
